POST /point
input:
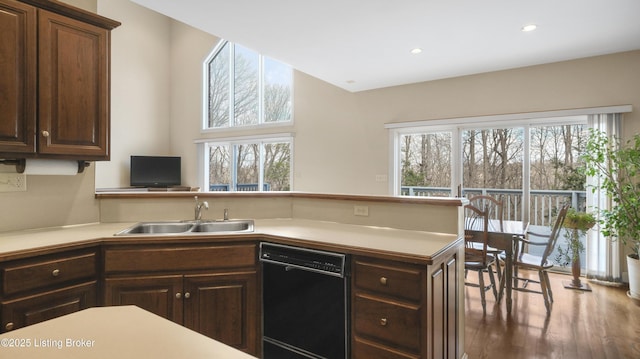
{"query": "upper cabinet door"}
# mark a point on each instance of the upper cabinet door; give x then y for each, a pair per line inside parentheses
(73, 109)
(18, 76)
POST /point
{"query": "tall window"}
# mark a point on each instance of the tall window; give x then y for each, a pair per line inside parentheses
(249, 165)
(244, 88)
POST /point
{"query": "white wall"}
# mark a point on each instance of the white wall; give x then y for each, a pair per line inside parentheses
(140, 88)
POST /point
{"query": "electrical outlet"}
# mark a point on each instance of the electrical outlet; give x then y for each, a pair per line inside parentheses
(382, 178)
(361, 211)
(13, 182)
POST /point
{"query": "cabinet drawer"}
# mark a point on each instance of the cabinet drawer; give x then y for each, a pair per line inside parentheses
(33, 309)
(389, 321)
(39, 273)
(179, 258)
(363, 349)
(403, 282)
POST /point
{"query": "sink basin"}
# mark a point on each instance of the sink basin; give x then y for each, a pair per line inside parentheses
(223, 226)
(188, 228)
(158, 228)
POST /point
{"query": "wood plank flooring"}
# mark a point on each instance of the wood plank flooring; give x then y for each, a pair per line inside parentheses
(602, 324)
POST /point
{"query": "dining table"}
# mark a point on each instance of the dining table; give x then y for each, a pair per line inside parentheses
(501, 237)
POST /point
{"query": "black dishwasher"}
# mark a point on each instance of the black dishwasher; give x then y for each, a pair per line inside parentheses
(305, 299)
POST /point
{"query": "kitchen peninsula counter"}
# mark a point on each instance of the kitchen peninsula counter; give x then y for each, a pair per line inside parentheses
(415, 246)
(124, 332)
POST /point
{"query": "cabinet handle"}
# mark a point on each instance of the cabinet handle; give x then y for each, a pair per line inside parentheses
(55, 272)
(45, 133)
(187, 295)
(383, 280)
(178, 295)
(9, 326)
(383, 322)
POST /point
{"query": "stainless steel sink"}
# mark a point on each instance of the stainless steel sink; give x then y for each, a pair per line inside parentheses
(223, 226)
(188, 228)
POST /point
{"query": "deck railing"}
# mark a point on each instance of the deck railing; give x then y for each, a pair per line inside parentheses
(542, 209)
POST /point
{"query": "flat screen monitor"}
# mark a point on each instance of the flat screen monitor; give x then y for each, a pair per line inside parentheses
(155, 171)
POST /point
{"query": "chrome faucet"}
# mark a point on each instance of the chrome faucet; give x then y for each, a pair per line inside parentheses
(198, 210)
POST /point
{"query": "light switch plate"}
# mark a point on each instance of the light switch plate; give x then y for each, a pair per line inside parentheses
(13, 182)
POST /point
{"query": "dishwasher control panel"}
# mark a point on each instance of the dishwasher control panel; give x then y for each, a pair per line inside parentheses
(329, 263)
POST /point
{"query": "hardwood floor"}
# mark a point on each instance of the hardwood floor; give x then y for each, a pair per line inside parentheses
(601, 324)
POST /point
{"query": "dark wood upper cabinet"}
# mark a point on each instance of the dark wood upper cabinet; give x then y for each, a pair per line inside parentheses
(55, 82)
(18, 69)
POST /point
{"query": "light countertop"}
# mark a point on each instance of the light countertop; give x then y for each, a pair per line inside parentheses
(123, 332)
(418, 244)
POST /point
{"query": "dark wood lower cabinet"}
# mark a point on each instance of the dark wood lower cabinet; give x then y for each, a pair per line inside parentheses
(405, 311)
(156, 294)
(222, 306)
(36, 308)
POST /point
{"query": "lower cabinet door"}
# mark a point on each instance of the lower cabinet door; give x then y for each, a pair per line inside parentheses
(43, 306)
(161, 295)
(224, 307)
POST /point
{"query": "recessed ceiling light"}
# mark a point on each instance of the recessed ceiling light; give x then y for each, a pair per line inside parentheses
(416, 50)
(529, 27)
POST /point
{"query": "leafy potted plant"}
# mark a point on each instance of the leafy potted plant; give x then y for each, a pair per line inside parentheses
(618, 166)
(576, 225)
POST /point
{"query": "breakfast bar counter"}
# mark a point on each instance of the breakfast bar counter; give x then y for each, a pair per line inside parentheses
(124, 332)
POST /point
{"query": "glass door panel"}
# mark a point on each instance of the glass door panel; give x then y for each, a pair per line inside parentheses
(425, 164)
(492, 164)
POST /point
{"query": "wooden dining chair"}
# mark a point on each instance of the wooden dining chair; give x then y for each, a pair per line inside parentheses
(541, 263)
(495, 213)
(476, 257)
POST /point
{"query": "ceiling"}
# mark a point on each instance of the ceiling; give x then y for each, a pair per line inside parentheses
(365, 44)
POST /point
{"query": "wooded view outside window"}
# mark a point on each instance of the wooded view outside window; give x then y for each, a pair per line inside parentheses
(426, 163)
(251, 166)
(245, 88)
(493, 162)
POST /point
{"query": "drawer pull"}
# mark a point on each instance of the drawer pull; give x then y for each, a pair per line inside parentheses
(55, 272)
(187, 295)
(383, 322)
(178, 295)
(383, 280)
(45, 133)
(9, 326)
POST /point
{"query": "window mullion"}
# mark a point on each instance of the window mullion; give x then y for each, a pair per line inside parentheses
(261, 109)
(234, 168)
(261, 156)
(232, 82)
(526, 174)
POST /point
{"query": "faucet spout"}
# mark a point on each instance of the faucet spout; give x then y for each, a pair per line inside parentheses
(198, 209)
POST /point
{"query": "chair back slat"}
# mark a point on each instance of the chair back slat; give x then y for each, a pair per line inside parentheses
(476, 231)
(555, 231)
(493, 207)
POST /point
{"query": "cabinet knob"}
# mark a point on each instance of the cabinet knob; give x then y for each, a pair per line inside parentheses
(187, 295)
(383, 280)
(45, 133)
(55, 272)
(178, 295)
(9, 326)
(383, 322)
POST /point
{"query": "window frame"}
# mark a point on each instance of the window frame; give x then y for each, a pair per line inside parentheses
(261, 93)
